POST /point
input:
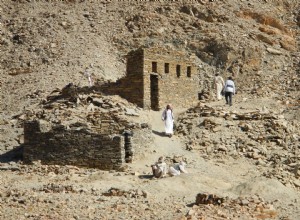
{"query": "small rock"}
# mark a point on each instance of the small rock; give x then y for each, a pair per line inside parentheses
(244, 202)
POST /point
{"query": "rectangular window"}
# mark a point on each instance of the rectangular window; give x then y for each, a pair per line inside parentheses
(189, 71)
(154, 67)
(178, 70)
(167, 68)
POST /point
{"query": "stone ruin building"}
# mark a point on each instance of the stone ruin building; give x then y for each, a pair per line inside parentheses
(64, 133)
(156, 77)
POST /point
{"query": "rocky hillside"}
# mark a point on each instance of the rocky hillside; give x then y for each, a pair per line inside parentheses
(251, 148)
(45, 45)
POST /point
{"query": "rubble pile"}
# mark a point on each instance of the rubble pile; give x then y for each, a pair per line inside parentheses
(60, 200)
(203, 198)
(211, 206)
(94, 111)
(265, 137)
(127, 194)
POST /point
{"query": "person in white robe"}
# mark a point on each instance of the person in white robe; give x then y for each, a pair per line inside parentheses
(177, 168)
(218, 85)
(168, 118)
(88, 75)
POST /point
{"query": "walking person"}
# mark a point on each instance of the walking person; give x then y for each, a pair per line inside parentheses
(218, 85)
(168, 118)
(229, 89)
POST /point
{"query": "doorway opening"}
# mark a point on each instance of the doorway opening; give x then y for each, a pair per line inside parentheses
(154, 92)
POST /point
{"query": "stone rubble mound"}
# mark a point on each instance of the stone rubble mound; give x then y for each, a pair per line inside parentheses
(210, 206)
(127, 194)
(77, 108)
(265, 137)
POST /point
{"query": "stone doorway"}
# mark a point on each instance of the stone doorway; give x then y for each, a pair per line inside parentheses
(154, 92)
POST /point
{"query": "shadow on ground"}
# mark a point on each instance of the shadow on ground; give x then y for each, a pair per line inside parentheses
(12, 155)
(191, 204)
(146, 176)
(162, 134)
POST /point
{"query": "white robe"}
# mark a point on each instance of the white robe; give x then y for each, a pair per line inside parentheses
(168, 116)
(176, 169)
(219, 83)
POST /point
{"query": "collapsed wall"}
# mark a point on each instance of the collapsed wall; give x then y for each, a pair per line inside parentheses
(81, 147)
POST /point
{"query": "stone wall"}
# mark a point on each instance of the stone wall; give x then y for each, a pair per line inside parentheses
(176, 84)
(57, 145)
(130, 87)
(155, 77)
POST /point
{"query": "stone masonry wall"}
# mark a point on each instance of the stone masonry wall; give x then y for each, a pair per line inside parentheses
(171, 87)
(56, 145)
(180, 91)
(131, 86)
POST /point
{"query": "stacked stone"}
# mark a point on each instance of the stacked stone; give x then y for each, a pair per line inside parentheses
(128, 147)
(131, 86)
(74, 147)
(177, 83)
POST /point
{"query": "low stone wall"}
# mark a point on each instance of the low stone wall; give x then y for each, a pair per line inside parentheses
(57, 145)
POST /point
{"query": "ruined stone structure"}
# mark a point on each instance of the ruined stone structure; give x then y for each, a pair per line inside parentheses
(78, 146)
(156, 77)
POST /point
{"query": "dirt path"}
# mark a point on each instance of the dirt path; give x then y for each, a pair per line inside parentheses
(162, 145)
(223, 177)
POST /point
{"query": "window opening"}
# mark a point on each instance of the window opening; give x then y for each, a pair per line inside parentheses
(178, 70)
(189, 71)
(154, 67)
(167, 67)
